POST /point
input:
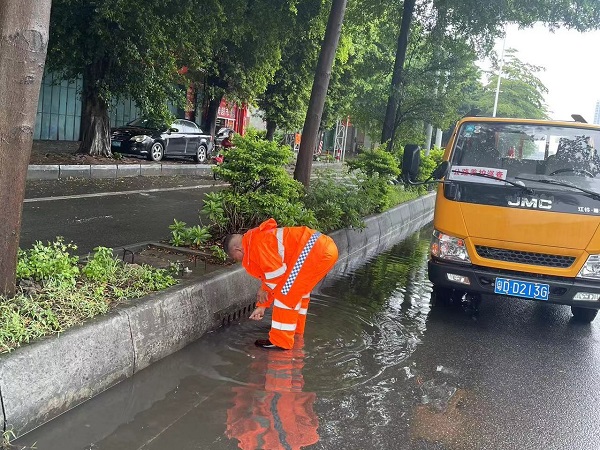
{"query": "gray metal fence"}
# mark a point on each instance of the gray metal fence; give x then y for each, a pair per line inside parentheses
(59, 110)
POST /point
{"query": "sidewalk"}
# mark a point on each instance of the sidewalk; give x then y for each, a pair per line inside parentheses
(53, 160)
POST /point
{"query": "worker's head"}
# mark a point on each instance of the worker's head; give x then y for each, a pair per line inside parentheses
(232, 244)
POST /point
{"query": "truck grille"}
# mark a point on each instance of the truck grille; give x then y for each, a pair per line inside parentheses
(535, 259)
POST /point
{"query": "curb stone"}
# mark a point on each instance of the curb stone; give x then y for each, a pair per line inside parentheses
(61, 171)
(58, 171)
(42, 380)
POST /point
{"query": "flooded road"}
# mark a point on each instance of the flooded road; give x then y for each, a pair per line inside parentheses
(378, 368)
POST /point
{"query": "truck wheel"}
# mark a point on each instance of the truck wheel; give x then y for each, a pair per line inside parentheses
(445, 296)
(583, 315)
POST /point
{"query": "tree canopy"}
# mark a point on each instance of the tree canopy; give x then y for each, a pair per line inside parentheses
(521, 91)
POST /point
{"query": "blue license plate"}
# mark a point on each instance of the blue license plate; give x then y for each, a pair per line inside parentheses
(116, 143)
(525, 289)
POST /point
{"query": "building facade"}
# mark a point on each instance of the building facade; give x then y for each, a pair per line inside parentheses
(597, 113)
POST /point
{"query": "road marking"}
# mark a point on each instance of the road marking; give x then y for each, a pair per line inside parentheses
(89, 219)
(110, 194)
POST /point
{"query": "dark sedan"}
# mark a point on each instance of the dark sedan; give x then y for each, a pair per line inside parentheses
(144, 137)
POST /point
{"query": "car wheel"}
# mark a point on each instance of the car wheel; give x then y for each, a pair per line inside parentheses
(583, 315)
(201, 154)
(157, 151)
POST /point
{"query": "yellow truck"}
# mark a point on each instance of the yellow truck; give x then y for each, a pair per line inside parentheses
(518, 212)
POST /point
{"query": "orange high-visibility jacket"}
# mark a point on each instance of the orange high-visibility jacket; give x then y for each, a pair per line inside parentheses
(270, 254)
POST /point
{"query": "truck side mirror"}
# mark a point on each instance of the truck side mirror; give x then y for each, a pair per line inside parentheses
(410, 162)
(441, 171)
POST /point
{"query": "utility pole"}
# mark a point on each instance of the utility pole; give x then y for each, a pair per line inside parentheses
(499, 77)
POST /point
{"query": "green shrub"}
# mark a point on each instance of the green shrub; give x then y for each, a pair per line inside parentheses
(337, 203)
(219, 253)
(102, 266)
(376, 163)
(52, 261)
(54, 295)
(342, 202)
(378, 185)
(260, 188)
(182, 235)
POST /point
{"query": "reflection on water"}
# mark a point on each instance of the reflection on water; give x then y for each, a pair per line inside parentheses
(274, 410)
(346, 386)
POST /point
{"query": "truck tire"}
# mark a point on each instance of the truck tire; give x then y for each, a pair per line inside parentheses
(444, 296)
(583, 315)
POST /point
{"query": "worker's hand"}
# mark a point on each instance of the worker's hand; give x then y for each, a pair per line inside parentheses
(261, 296)
(258, 313)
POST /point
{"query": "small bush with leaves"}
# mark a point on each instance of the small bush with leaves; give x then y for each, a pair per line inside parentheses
(337, 203)
(102, 266)
(198, 235)
(376, 163)
(260, 188)
(182, 235)
(219, 253)
(66, 295)
(52, 261)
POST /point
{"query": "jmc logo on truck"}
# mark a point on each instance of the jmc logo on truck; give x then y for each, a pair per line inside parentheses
(529, 202)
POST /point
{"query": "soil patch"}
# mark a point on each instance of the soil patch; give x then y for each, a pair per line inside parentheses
(184, 262)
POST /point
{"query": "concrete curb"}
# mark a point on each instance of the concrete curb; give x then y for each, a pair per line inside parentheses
(60, 171)
(41, 381)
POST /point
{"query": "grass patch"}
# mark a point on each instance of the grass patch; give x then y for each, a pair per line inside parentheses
(57, 291)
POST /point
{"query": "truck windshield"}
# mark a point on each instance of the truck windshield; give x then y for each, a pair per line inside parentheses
(528, 151)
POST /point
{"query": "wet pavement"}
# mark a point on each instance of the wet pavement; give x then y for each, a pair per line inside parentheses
(379, 368)
(36, 189)
(110, 213)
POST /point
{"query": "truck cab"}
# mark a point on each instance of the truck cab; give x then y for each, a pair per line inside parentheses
(518, 212)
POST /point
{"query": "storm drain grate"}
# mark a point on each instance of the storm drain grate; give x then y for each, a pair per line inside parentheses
(516, 256)
(232, 316)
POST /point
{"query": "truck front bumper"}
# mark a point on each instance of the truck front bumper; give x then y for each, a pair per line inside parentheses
(482, 281)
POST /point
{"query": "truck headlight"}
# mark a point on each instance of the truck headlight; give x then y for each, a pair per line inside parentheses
(449, 248)
(591, 268)
(140, 138)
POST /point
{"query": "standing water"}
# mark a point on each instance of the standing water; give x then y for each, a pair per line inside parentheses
(378, 368)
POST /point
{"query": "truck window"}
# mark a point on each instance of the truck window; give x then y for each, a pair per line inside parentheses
(517, 149)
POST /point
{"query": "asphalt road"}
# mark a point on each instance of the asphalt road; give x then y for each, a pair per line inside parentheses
(110, 213)
(379, 368)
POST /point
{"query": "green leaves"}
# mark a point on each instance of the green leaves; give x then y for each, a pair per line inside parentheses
(376, 163)
(522, 92)
(52, 261)
(260, 188)
(55, 296)
(102, 266)
(182, 235)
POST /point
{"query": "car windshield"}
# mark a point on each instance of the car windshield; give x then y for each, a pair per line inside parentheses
(525, 153)
(143, 122)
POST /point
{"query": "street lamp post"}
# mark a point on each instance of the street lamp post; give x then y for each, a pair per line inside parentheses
(499, 77)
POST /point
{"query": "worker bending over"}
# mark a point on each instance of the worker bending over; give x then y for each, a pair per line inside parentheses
(289, 261)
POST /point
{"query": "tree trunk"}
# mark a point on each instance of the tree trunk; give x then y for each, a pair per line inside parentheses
(211, 115)
(23, 45)
(271, 128)
(95, 121)
(389, 123)
(314, 113)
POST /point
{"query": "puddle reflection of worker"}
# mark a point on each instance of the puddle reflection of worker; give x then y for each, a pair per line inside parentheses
(272, 411)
